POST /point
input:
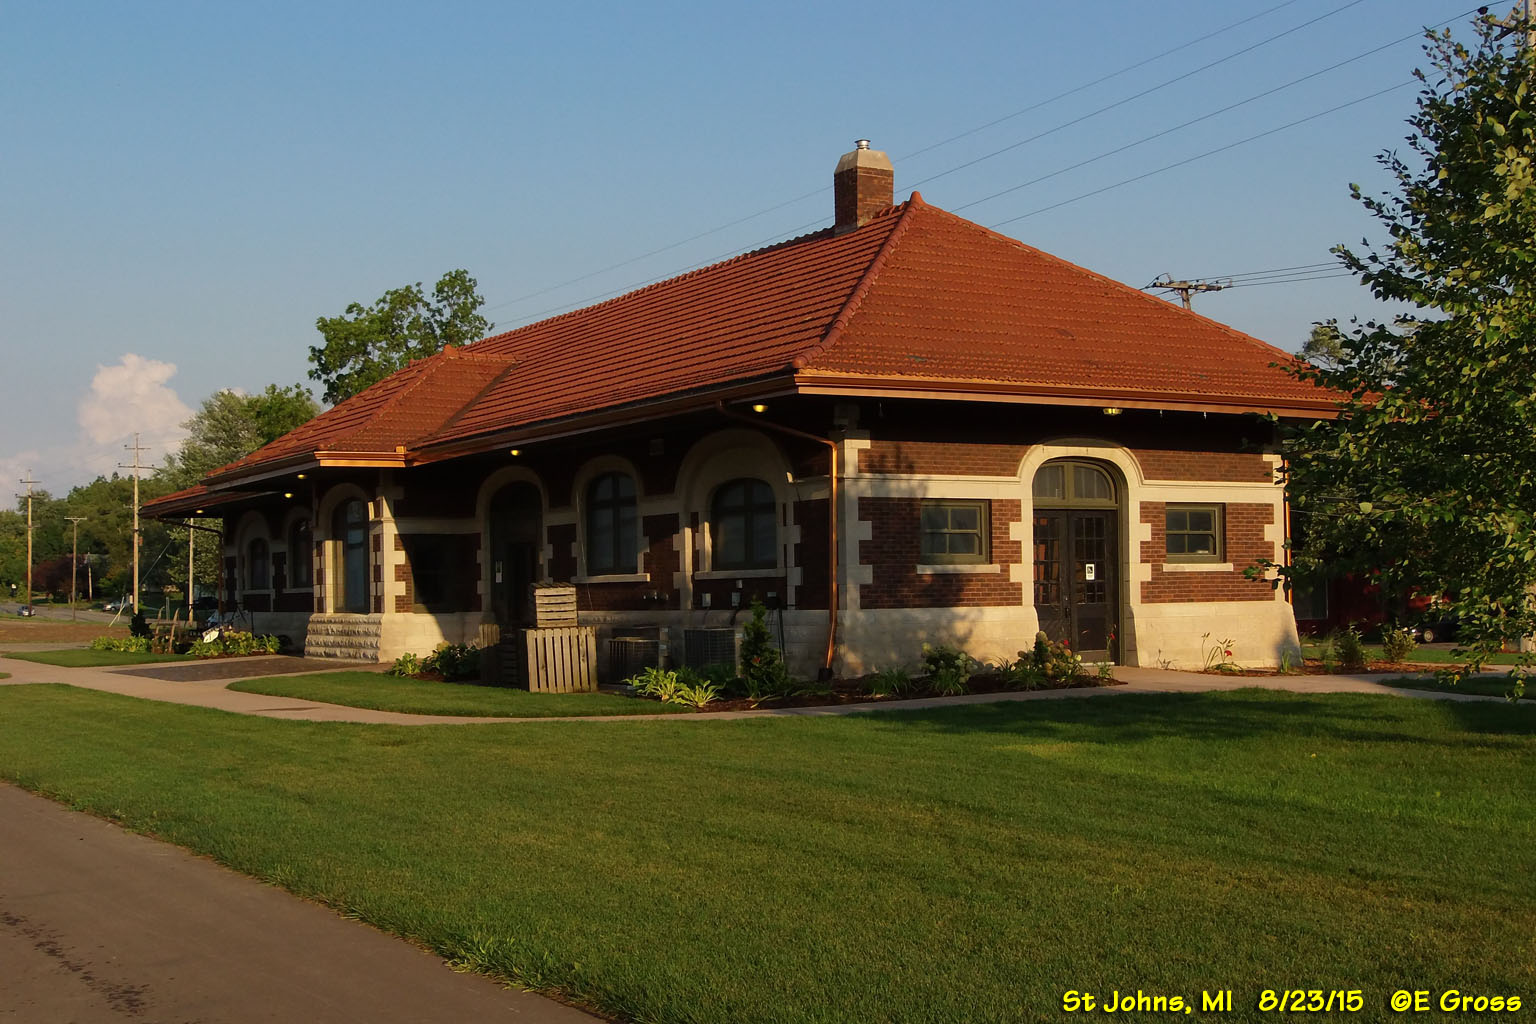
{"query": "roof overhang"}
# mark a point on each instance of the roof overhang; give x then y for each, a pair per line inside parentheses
(950, 389)
(189, 504)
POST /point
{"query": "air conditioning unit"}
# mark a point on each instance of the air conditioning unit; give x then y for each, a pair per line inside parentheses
(710, 645)
(628, 656)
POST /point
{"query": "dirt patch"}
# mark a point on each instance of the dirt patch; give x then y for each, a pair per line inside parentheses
(40, 631)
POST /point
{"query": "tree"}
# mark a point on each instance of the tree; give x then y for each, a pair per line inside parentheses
(366, 344)
(1428, 476)
(229, 426)
(1323, 347)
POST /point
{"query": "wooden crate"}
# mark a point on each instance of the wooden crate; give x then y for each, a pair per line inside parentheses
(561, 660)
(552, 605)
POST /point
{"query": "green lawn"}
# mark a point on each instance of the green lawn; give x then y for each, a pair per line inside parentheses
(84, 657)
(1487, 686)
(1424, 655)
(965, 865)
(418, 697)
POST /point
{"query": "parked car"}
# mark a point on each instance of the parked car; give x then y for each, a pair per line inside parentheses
(117, 606)
(1436, 627)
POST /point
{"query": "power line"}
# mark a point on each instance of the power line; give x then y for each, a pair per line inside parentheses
(1097, 81)
(1207, 153)
(1194, 120)
(808, 225)
(936, 145)
(1135, 96)
(1266, 273)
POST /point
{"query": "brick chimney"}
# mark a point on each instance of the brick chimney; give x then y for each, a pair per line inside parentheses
(863, 185)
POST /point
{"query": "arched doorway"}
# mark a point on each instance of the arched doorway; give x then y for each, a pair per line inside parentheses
(516, 528)
(1077, 556)
(349, 534)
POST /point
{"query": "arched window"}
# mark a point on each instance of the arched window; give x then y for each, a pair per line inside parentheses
(349, 532)
(258, 567)
(743, 526)
(1073, 483)
(300, 558)
(611, 533)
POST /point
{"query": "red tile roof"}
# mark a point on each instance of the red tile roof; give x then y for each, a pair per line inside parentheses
(916, 300)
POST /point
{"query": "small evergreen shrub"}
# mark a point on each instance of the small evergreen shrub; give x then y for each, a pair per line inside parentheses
(1348, 649)
(1398, 644)
(138, 625)
(763, 673)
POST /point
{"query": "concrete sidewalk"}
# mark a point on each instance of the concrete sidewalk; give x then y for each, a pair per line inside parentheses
(99, 925)
(214, 694)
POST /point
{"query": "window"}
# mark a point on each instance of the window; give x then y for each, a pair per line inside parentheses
(258, 566)
(349, 532)
(443, 568)
(611, 534)
(953, 532)
(1073, 483)
(743, 526)
(300, 558)
(1194, 533)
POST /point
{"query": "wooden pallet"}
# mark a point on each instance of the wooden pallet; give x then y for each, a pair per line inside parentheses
(552, 605)
(561, 660)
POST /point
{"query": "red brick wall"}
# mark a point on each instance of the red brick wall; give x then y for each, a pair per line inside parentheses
(1223, 467)
(925, 458)
(562, 562)
(1245, 545)
(811, 553)
(893, 552)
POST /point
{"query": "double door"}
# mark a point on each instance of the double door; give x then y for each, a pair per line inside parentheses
(1077, 590)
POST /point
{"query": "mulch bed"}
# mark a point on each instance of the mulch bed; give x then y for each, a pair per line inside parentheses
(1317, 668)
(849, 692)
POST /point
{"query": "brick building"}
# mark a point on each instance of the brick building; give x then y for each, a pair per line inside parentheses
(904, 427)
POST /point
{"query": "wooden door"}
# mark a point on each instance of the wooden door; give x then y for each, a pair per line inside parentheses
(1076, 559)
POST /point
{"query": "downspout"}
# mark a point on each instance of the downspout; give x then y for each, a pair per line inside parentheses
(832, 595)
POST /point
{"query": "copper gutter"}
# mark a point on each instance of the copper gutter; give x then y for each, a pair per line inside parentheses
(832, 595)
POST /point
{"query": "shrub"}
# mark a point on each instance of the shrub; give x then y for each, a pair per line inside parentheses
(889, 682)
(138, 625)
(1054, 660)
(406, 665)
(1348, 649)
(698, 695)
(661, 684)
(454, 662)
(763, 673)
(132, 644)
(232, 643)
(947, 667)
(1021, 674)
(1398, 644)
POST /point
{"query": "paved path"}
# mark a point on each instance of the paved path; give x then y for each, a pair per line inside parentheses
(101, 926)
(213, 694)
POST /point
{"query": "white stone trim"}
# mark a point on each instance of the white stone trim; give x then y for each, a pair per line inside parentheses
(614, 577)
(738, 574)
(1197, 566)
(957, 568)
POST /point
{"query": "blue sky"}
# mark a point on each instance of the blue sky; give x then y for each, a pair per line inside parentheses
(184, 188)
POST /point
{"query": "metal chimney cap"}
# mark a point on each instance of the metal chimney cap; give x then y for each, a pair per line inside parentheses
(861, 144)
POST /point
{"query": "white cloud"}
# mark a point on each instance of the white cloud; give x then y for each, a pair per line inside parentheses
(132, 395)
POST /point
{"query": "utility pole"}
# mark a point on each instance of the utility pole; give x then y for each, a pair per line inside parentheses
(29, 482)
(1509, 25)
(74, 560)
(137, 467)
(191, 573)
(1186, 288)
